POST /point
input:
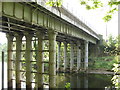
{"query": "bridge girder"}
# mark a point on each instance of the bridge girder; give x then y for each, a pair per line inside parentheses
(21, 16)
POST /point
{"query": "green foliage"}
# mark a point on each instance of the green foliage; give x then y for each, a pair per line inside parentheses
(103, 63)
(116, 81)
(113, 2)
(116, 77)
(67, 85)
(57, 3)
(109, 14)
(107, 18)
(83, 3)
(94, 4)
(112, 46)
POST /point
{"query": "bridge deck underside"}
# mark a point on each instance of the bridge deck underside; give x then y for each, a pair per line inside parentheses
(10, 25)
(24, 16)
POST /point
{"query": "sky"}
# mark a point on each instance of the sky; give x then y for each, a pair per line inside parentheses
(93, 18)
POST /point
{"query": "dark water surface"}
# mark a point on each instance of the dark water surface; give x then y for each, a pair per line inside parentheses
(84, 80)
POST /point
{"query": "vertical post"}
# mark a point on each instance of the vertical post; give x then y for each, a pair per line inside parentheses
(71, 57)
(65, 56)
(3, 70)
(86, 56)
(40, 65)
(18, 58)
(52, 58)
(58, 56)
(78, 56)
(28, 57)
(9, 59)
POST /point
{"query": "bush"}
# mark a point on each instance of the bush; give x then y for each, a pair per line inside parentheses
(116, 77)
(103, 63)
(112, 46)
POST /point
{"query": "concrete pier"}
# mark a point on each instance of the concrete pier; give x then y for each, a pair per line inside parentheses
(58, 56)
(78, 57)
(52, 58)
(28, 57)
(65, 56)
(71, 57)
(9, 59)
(40, 64)
(18, 59)
(86, 55)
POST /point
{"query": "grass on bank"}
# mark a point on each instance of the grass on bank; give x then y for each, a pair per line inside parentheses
(105, 63)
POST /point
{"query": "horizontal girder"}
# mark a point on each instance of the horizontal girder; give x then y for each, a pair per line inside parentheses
(23, 16)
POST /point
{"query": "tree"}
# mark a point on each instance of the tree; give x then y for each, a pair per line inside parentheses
(93, 4)
(112, 46)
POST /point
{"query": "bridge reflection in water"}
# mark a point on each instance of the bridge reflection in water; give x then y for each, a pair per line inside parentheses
(85, 80)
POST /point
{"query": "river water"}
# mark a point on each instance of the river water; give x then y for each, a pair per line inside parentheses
(85, 80)
(76, 80)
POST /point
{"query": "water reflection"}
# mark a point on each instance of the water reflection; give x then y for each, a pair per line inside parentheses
(84, 80)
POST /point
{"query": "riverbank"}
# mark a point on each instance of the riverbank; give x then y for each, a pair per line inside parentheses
(100, 71)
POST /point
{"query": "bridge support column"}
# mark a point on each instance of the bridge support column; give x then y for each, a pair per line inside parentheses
(86, 56)
(18, 58)
(9, 60)
(65, 56)
(71, 56)
(28, 57)
(78, 56)
(52, 58)
(40, 65)
(58, 56)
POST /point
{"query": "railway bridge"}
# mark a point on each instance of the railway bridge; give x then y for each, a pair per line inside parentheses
(42, 41)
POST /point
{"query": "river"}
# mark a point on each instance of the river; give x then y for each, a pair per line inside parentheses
(85, 80)
(75, 80)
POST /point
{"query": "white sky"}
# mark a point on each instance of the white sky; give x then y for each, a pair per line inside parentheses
(94, 17)
(91, 17)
